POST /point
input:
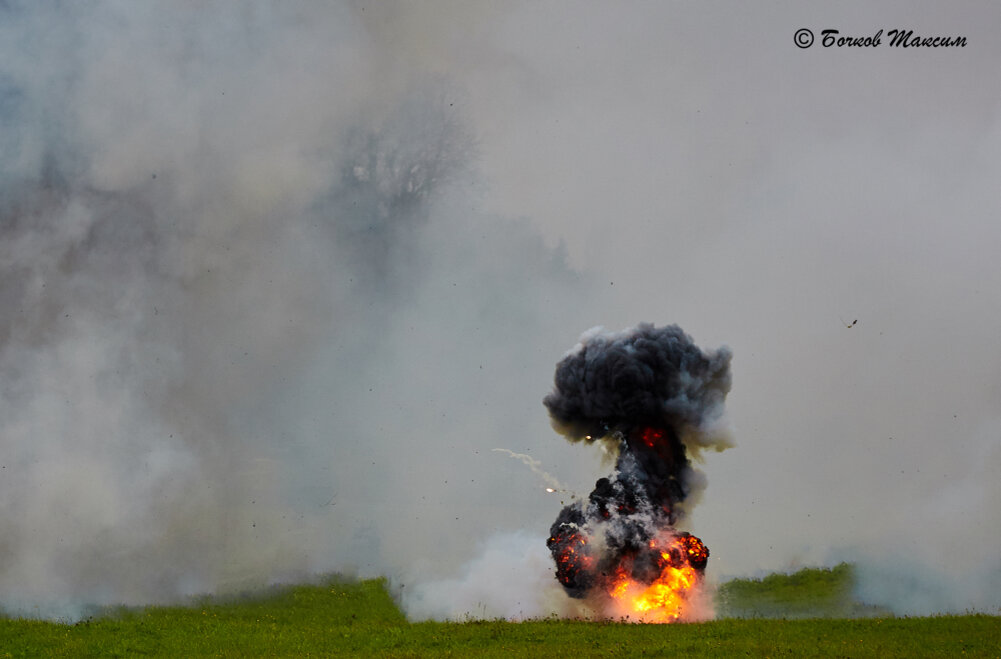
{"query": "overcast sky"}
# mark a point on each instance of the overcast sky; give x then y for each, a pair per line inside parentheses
(276, 280)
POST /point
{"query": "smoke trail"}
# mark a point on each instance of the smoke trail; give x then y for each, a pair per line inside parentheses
(552, 483)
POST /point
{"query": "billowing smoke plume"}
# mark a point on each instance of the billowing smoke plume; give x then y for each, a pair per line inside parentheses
(648, 392)
(257, 262)
(641, 376)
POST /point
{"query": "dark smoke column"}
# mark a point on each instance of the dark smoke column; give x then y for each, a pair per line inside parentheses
(650, 393)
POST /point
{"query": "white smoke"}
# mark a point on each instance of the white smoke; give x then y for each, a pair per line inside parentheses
(243, 293)
(245, 303)
(510, 578)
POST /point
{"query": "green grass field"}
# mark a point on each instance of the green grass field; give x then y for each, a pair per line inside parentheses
(345, 618)
(809, 593)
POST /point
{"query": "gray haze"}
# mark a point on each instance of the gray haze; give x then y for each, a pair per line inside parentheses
(276, 278)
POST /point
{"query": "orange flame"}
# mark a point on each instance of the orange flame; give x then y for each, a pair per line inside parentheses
(667, 597)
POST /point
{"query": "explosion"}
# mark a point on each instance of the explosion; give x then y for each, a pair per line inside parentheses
(651, 396)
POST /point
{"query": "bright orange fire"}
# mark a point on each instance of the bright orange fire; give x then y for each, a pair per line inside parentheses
(665, 599)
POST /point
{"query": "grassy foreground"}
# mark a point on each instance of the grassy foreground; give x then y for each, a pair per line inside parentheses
(809, 593)
(343, 618)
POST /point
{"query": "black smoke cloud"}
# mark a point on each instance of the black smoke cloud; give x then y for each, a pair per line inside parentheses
(641, 376)
(647, 392)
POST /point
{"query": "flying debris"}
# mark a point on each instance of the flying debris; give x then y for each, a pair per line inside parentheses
(552, 484)
(647, 393)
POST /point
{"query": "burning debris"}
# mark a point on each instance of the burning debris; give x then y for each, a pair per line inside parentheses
(652, 396)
